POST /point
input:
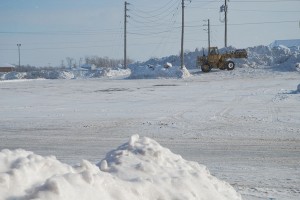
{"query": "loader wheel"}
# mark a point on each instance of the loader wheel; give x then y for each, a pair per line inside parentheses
(230, 65)
(205, 68)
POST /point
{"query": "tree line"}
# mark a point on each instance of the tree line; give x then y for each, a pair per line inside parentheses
(69, 63)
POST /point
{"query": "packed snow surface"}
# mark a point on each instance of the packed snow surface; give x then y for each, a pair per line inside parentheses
(139, 169)
(242, 124)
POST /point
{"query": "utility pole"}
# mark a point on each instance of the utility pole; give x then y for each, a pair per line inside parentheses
(182, 34)
(19, 45)
(208, 24)
(125, 33)
(208, 33)
(225, 10)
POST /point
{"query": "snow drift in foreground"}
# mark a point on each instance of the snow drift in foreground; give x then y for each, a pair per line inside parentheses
(139, 169)
(158, 71)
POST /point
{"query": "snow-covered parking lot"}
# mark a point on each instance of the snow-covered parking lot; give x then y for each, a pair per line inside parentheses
(243, 125)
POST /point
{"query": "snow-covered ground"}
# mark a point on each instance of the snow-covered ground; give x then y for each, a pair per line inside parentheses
(243, 125)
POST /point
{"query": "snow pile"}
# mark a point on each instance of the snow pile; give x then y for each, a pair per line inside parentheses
(297, 66)
(66, 74)
(189, 60)
(158, 71)
(280, 58)
(139, 169)
(49, 75)
(288, 43)
(118, 72)
(12, 75)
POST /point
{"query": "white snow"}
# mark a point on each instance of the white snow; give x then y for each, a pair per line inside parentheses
(242, 124)
(288, 43)
(6, 65)
(158, 71)
(118, 72)
(297, 65)
(139, 169)
(66, 74)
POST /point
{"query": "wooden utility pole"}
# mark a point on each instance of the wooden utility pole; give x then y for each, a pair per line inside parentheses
(208, 34)
(19, 45)
(125, 33)
(182, 35)
(225, 10)
(208, 30)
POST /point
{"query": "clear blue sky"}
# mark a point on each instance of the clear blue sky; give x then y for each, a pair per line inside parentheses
(50, 31)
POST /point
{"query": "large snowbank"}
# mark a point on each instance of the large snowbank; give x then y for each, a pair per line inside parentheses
(158, 71)
(288, 43)
(139, 169)
(279, 58)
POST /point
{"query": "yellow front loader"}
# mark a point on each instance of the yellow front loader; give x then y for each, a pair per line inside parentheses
(220, 61)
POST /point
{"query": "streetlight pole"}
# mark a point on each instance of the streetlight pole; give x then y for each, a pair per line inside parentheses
(19, 45)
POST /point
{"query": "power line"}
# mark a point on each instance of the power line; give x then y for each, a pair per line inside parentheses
(154, 10)
(144, 15)
(145, 27)
(94, 46)
(247, 23)
(154, 21)
(248, 1)
(259, 23)
(58, 32)
(291, 11)
(265, 1)
(167, 36)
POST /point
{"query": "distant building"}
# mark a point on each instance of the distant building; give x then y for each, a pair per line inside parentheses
(287, 43)
(7, 68)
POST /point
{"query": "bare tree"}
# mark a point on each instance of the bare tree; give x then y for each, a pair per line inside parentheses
(62, 64)
(105, 61)
(69, 61)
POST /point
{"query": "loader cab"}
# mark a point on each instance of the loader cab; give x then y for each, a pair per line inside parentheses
(213, 51)
(214, 56)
